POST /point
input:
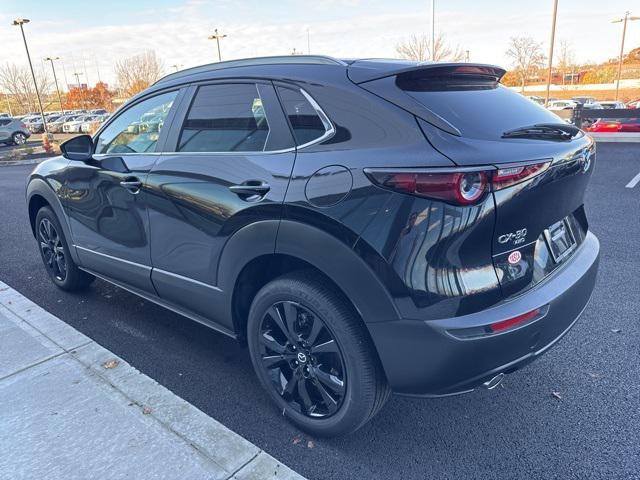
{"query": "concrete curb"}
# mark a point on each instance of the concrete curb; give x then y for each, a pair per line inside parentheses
(229, 453)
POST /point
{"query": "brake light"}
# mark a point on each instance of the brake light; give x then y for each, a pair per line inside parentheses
(455, 186)
(513, 322)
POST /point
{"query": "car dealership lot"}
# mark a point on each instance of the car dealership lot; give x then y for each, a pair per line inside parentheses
(571, 414)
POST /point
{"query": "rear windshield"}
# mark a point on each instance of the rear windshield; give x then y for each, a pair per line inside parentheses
(482, 111)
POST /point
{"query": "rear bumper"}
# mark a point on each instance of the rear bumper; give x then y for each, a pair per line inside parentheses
(424, 358)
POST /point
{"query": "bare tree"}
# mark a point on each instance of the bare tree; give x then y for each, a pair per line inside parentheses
(418, 47)
(566, 58)
(526, 55)
(136, 73)
(17, 82)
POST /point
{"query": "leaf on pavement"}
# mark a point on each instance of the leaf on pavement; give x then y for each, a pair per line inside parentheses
(310, 444)
(111, 363)
(146, 410)
(616, 330)
(296, 440)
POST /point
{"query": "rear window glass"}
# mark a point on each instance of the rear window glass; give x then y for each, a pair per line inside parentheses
(482, 112)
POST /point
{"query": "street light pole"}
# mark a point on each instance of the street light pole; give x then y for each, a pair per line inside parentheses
(553, 39)
(55, 79)
(624, 21)
(77, 75)
(217, 36)
(20, 22)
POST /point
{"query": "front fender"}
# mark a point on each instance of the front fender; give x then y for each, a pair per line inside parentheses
(43, 188)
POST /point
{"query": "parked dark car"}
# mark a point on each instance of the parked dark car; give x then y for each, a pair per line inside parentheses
(364, 226)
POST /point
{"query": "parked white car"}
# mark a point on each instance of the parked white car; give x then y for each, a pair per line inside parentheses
(74, 125)
(91, 124)
(562, 105)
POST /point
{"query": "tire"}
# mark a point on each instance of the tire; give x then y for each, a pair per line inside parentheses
(348, 370)
(54, 250)
(18, 138)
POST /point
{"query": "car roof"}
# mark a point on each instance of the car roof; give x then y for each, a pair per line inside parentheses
(359, 70)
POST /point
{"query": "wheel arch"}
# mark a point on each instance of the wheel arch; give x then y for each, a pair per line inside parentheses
(39, 195)
(253, 257)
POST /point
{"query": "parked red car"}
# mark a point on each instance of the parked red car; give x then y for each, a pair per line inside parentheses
(616, 125)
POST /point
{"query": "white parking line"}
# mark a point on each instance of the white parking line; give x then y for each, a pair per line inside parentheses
(634, 181)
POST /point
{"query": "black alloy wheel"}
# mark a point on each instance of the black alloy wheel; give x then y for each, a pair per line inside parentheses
(303, 360)
(52, 249)
(55, 254)
(313, 355)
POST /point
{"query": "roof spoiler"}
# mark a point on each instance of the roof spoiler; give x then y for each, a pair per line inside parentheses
(362, 71)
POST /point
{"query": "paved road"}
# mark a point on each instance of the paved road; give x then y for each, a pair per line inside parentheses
(519, 431)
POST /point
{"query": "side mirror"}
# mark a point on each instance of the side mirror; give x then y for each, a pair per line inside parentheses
(78, 148)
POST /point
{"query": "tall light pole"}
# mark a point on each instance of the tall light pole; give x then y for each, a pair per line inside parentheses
(308, 43)
(55, 79)
(20, 22)
(217, 37)
(433, 30)
(627, 17)
(77, 75)
(553, 39)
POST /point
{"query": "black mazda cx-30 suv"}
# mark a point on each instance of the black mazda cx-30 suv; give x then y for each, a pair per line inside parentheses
(365, 226)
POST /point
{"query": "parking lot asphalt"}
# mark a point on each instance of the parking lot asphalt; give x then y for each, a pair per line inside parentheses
(574, 413)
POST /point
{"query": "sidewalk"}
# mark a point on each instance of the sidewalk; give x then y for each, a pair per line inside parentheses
(70, 409)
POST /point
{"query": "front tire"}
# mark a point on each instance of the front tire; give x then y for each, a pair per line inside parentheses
(313, 355)
(54, 251)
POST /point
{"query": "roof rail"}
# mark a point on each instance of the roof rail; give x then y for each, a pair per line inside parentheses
(246, 62)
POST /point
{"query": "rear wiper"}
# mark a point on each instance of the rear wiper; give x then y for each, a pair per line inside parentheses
(544, 131)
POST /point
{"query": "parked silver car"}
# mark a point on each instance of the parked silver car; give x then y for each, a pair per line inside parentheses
(13, 131)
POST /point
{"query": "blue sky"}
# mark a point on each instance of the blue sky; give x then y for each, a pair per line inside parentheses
(89, 36)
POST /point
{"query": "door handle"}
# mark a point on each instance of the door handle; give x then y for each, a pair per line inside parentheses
(251, 188)
(132, 185)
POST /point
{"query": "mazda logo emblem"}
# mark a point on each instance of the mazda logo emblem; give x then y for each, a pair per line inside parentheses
(302, 358)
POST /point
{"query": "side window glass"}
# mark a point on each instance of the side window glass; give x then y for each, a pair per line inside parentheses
(137, 129)
(305, 121)
(225, 118)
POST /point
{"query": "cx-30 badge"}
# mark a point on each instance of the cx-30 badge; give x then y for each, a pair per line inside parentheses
(516, 238)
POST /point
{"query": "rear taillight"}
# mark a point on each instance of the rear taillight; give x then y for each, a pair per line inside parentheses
(22, 125)
(511, 174)
(462, 188)
(456, 186)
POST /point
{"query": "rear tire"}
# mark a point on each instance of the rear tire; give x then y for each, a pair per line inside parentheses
(344, 382)
(19, 138)
(55, 254)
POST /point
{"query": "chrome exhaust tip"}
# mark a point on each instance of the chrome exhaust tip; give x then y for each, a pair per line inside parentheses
(494, 382)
